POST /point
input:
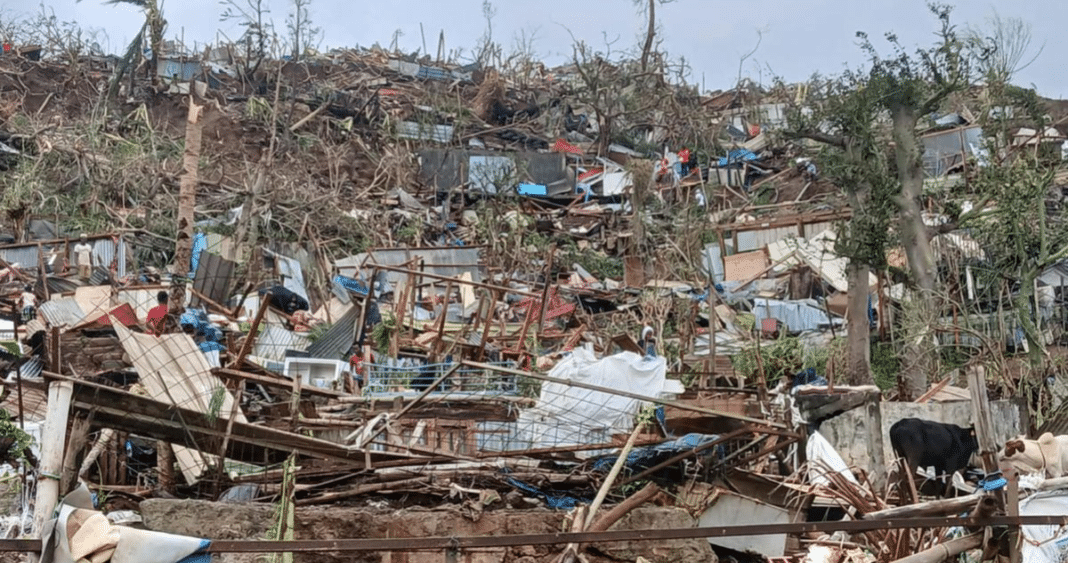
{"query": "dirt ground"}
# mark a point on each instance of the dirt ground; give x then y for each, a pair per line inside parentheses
(250, 521)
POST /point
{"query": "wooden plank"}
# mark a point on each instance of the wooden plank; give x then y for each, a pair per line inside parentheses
(738, 267)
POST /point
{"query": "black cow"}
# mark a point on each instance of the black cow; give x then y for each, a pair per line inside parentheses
(923, 443)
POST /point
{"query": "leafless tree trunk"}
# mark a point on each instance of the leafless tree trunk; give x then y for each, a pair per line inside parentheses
(187, 196)
(859, 359)
(650, 32)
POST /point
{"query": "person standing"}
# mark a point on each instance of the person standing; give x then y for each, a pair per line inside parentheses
(83, 253)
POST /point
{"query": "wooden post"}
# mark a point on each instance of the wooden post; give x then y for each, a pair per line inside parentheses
(53, 353)
(984, 426)
(1012, 509)
(165, 466)
(439, 340)
(545, 291)
(53, 437)
(363, 310)
(246, 346)
(494, 299)
(43, 271)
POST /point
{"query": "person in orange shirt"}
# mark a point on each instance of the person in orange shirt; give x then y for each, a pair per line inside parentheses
(157, 315)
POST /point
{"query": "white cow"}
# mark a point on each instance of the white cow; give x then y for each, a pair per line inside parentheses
(1048, 455)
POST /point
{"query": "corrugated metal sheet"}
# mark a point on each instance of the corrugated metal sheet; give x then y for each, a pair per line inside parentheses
(213, 277)
(182, 70)
(61, 312)
(290, 270)
(337, 341)
(104, 252)
(756, 239)
(25, 257)
(273, 341)
(444, 261)
(424, 131)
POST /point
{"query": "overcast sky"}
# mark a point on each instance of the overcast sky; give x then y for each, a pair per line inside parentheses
(800, 37)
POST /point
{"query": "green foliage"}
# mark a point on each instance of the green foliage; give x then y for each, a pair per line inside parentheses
(782, 357)
(382, 333)
(10, 431)
(215, 404)
(318, 331)
(529, 387)
(597, 263)
(885, 365)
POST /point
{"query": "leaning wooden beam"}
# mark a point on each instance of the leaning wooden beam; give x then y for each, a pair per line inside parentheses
(620, 510)
(944, 551)
(930, 508)
(581, 385)
(246, 346)
(115, 408)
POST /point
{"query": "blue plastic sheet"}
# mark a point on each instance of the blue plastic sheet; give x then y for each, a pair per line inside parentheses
(351, 284)
(643, 458)
(563, 502)
(200, 244)
(738, 155)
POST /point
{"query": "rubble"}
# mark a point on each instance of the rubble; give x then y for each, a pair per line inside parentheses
(435, 295)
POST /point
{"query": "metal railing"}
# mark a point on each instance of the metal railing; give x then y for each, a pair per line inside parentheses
(406, 377)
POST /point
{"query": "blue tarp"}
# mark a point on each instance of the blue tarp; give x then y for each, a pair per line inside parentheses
(532, 189)
(557, 501)
(200, 243)
(738, 155)
(351, 284)
(643, 458)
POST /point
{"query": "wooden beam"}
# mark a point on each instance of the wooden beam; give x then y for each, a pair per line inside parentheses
(114, 408)
(275, 382)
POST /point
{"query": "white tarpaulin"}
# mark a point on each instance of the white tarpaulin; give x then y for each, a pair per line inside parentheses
(1045, 544)
(567, 415)
(824, 459)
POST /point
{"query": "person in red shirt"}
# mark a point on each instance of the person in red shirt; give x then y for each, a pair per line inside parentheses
(154, 322)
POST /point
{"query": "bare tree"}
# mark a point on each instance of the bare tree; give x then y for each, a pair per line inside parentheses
(487, 48)
(1002, 48)
(648, 9)
(251, 14)
(302, 32)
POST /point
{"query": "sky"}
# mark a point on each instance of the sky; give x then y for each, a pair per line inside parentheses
(793, 39)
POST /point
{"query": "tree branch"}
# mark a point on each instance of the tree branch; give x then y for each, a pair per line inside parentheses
(818, 136)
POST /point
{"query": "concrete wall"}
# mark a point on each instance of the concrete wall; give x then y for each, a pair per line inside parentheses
(862, 440)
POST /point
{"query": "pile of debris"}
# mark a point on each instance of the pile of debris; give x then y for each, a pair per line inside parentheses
(416, 284)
